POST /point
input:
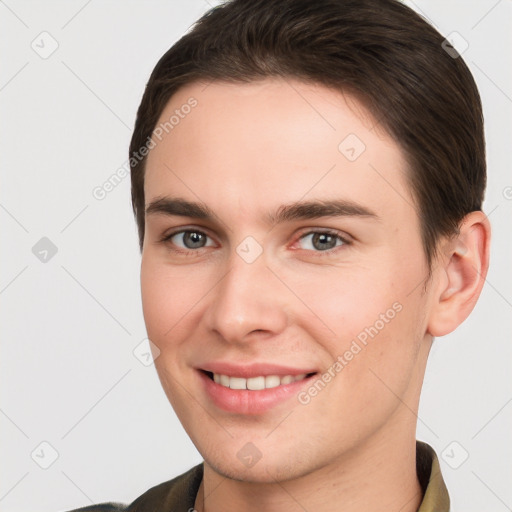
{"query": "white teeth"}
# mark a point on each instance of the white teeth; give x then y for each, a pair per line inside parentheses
(256, 383)
(237, 383)
(272, 381)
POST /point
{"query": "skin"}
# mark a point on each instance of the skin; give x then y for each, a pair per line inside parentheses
(243, 151)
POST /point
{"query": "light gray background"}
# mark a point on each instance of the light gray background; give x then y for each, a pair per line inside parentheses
(70, 325)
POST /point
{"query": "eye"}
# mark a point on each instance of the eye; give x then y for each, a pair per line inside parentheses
(322, 241)
(187, 240)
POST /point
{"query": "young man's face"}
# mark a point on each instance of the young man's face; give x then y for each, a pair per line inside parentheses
(237, 291)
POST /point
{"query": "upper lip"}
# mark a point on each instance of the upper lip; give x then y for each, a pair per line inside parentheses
(252, 370)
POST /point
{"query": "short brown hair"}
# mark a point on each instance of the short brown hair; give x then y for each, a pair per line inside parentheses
(381, 51)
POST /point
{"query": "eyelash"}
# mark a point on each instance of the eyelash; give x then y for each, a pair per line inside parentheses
(194, 252)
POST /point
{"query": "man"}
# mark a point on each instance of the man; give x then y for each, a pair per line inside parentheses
(307, 180)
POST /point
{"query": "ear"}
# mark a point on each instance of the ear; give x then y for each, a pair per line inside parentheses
(460, 275)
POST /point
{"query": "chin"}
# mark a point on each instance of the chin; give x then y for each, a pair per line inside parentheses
(265, 470)
(264, 474)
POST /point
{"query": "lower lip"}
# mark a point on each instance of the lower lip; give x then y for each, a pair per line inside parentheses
(244, 401)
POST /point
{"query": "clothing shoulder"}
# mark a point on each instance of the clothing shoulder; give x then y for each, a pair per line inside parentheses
(102, 507)
(168, 496)
(176, 494)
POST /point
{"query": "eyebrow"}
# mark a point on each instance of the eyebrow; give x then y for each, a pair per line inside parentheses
(299, 210)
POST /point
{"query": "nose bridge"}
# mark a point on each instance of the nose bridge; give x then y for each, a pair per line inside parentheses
(246, 299)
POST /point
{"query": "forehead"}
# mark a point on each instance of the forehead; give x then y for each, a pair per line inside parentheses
(273, 141)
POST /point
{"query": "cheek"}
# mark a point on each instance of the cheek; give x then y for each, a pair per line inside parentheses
(369, 318)
(169, 296)
(345, 301)
(381, 356)
(156, 293)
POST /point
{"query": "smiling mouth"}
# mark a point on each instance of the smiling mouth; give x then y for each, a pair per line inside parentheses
(257, 383)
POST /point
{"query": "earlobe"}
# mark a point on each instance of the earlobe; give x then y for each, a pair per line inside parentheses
(461, 274)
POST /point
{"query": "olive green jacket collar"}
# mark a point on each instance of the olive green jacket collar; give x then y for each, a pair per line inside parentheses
(435, 494)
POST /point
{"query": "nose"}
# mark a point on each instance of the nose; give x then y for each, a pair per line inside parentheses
(249, 302)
